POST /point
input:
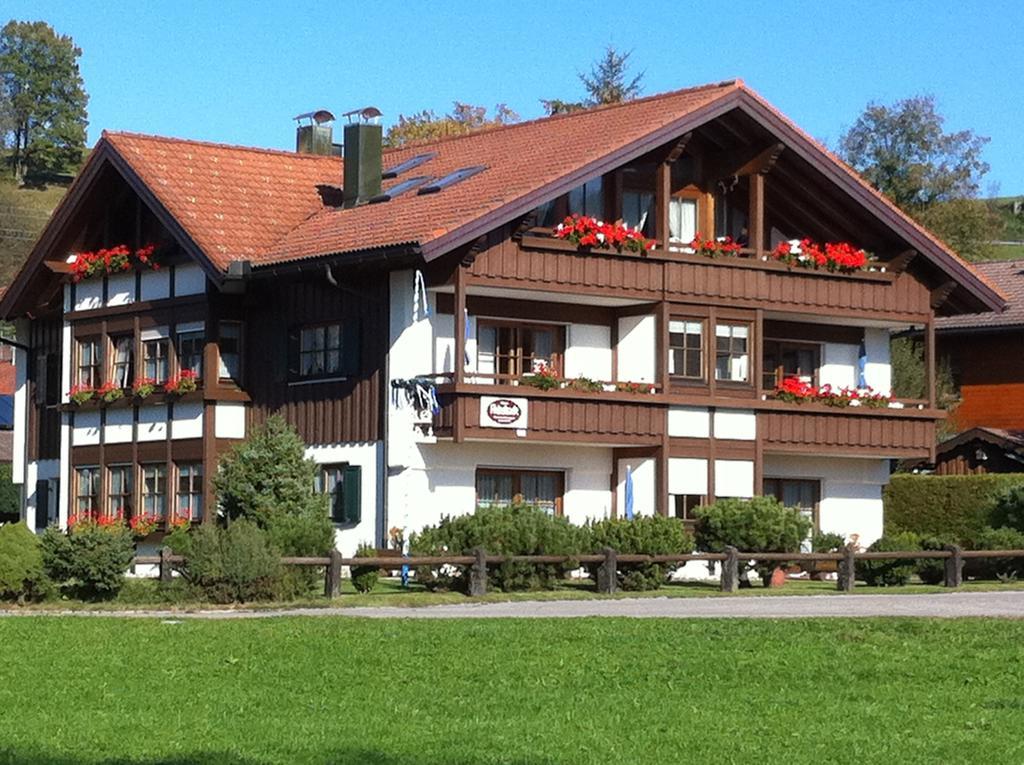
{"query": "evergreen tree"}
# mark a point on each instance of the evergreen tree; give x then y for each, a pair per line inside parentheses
(607, 83)
(42, 98)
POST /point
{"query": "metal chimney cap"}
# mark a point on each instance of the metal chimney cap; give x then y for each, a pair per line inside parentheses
(320, 116)
(366, 114)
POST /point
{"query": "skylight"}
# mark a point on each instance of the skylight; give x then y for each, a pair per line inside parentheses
(400, 188)
(452, 178)
(409, 164)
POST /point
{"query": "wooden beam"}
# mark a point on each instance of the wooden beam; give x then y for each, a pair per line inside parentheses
(58, 266)
(899, 264)
(677, 149)
(662, 194)
(929, 360)
(744, 161)
(755, 220)
(459, 324)
(941, 293)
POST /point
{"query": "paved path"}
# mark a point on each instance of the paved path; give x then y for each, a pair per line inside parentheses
(944, 605)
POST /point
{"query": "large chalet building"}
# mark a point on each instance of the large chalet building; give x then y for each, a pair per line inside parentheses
(400, 308)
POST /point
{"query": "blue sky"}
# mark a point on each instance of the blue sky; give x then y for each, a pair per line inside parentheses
(235, 71)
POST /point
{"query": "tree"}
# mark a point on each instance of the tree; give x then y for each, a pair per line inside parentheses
(607, 83)
(42, 98)
(968, 226)
(464, 118)
(903, 151)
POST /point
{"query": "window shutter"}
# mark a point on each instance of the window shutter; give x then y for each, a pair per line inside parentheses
(351, 494)
(351, 346)
(42, 504)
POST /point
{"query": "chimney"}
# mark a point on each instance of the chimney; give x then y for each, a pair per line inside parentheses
(363, 137)
(314, 134)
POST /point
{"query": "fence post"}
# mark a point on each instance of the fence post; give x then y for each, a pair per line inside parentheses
(954, 566)
(165, 565)
(847, 570)
(607, 572)
(332, 576)
(478, 573)
(731, 570)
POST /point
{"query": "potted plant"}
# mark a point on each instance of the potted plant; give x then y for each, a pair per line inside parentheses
(111, 260)
(109, 392)
(186, 382)
(79, 394)
(144, 387)
(143, 524)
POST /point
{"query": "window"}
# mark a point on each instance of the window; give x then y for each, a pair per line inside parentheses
(731, 352)
(154, 359)
(588, 199)
(407, 165)
(638, 211)
(682, 220)
(89, 363)
(320, 351)
(783, 359)
(230, 346)
(400, 188)
(122, 371)
(154, 490)
(512, 350)
(87, 490)
(190, 491)
(119, 493)
(802, 494)
(452, 178)
(190, 351)
(686, 349)
(541, 488)
(684, 505)
(341, 483)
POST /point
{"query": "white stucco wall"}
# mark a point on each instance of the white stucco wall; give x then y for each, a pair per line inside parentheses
(878, 369)
(588, 351)
(637, 348)
(735, 424)
(645, 486)
(851, 491)
(689, 422)
(839, 365)
(367, 456)
(734, 478)
(20, 405)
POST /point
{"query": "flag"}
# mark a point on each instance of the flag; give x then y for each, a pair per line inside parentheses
(862, 364)
(629, 493)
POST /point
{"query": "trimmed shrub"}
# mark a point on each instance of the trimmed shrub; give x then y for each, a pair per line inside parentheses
(996, 568)
(22, 576)
(761, 524)
(890, 573)
(233, 564)
(518, 529)
(827, 542)
(948, 507)
(645, 535)
(89, 560)
(364, 578)
(307, 535)
(1008, 510)
(932, 570)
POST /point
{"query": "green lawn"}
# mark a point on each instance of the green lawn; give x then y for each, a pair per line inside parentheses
(319, 690)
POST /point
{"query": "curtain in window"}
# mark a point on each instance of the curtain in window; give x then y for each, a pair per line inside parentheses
(638, 211)
(494, 489)
(682, 220)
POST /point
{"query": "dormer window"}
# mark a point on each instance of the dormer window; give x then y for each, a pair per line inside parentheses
(588, 199)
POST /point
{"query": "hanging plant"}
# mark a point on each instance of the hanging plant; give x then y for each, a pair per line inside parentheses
(112, 260)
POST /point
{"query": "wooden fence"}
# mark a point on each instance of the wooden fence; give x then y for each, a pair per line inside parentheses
(609, 560)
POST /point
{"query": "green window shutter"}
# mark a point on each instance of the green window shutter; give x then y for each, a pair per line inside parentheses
(351, 494)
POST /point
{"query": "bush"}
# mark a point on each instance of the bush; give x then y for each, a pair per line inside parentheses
(10, 495)
(932, 570)
(761, 524)
(307, 535)
(21, 564)
(233, 564)
(996, 568)
(889, 573)
(827, 542)
(364, 578)
(518, 529)
(948, 507)
(646, 535)
(1008, 509)
(89, 560)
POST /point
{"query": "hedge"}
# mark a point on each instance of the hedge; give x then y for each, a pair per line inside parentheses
(949, 507)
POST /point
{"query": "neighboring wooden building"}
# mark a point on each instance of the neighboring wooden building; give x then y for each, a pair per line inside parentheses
(986, 354)
(980, 450)
(345, 298)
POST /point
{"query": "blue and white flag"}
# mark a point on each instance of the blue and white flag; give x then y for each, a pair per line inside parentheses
(629, 493)
(862, 364)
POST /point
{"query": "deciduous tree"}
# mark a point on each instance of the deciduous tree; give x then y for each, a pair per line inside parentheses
(464, 118)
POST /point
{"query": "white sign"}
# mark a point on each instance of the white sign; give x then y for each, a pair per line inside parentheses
(503, 412)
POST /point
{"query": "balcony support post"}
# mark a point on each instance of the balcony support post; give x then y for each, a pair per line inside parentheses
(929, 360)
(755, 219)
(662, 194)
(459, 321)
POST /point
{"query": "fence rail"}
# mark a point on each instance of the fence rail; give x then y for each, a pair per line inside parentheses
(608, 562)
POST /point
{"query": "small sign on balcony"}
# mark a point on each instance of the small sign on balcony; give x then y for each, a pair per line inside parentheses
(503, 412)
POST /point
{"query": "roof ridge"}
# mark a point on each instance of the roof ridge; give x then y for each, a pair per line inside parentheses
(215, 144)
(736, 82)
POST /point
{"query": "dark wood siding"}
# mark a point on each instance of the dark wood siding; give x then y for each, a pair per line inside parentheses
(846, 433)
(989, 370)
(323, 412)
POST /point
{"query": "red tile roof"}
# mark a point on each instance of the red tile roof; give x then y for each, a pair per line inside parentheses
(252, 204)
(1008, 278)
